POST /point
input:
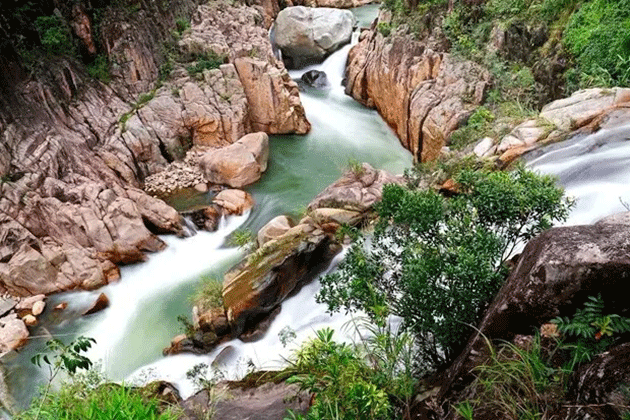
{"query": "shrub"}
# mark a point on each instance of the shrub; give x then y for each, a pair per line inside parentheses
(436, 262)
(99, 68)
(53, 35)
(368, 382)
(385, 28)
(598, 35)
(206, 61)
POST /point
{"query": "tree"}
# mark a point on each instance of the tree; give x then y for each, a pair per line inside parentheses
(436, 262)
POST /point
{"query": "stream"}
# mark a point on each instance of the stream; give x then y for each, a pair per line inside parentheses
(145, 303)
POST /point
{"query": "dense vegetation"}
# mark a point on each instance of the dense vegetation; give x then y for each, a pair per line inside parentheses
(436, 262)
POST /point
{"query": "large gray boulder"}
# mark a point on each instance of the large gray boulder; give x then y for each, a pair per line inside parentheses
(307, 35)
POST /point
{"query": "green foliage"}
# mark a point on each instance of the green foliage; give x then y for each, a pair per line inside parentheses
(345, 385)
(518, 382)
(181, 25)
(204, 377)
(209, 293)
(99, 68)
(355, 167)
(598, 35)
(87, 396)
(385, 28)
(436, 262)
(242, 238)
(206, 61)
(478, 125)
(54, 35)
(187, 327)
(66, 358)
(593, 329)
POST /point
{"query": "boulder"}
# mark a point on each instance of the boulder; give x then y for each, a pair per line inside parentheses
(27, 305)
(583, 107)
(6, 305)
(239, 164)
(276, 227)
(99, 304)
(13, 334)
(484, 147)
(357, 190)
(29, 320)
(556, 273)
(596, 389)
(234, 202)
(340, 216)
(315, 78)
(307, 35)
(273, 98)
(38, 308)
(268, 275)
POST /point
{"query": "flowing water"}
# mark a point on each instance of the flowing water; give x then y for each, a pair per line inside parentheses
(145, 303)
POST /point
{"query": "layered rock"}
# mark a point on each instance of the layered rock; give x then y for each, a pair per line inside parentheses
(422, 93)
(307, 35)
(73, 151)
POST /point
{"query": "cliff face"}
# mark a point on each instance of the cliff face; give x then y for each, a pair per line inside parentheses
(423, 93)
(74, 152)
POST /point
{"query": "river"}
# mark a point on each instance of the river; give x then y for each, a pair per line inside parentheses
(145, 303)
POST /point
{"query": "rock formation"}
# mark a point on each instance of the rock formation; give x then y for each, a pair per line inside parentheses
(423, 93)
(307, 35)
(555, 274)
(74, 152)
(288, 256)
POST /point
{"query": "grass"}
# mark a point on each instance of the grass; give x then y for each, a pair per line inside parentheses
(209, 294)
(207, 61)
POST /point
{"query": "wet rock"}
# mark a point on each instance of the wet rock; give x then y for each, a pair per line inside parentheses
(338, 216)
(315, 78)
(29, 320)
(38, 308)
(61, 306)
(268, 275)
(276, 227)
(27, 305)
(356, 190)
(239, 164)
(99, 304)
(234, 202)
(307, 35)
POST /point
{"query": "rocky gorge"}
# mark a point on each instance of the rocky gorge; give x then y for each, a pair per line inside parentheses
(86, 164)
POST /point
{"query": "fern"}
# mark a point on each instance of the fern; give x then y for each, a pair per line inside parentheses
(594, 331)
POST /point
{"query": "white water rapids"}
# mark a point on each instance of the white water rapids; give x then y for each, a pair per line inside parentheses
(141, 319)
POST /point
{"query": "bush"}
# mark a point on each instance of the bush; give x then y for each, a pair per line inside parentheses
(437, 262)
(207, 61)
(54, 36)
(598, 35)
(368, 382)
(87, 396)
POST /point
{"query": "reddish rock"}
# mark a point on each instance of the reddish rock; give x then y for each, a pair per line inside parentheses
(99, 304)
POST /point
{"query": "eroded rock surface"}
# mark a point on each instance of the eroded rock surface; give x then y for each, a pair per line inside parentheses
(422, 93)
(74, 152)
(306, 35)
